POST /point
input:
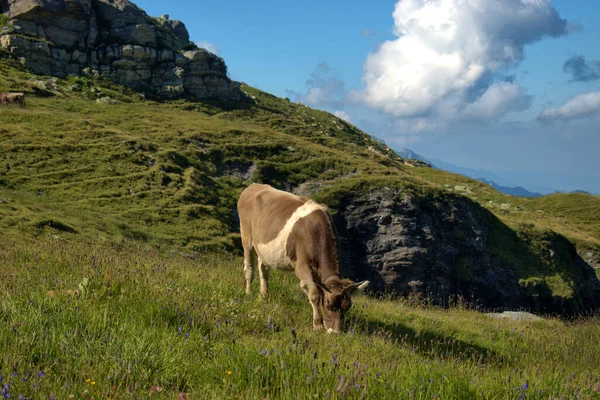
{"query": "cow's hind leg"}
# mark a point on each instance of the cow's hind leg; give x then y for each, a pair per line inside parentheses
(314, 297)
(263, 270)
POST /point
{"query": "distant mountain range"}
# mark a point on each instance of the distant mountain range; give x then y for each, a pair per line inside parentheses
(515, 191)
(491, 178)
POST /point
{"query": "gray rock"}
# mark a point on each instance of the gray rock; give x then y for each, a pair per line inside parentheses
(515, 316)
(115, 39)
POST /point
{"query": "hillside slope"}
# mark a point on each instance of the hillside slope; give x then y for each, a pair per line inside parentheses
(88, 158)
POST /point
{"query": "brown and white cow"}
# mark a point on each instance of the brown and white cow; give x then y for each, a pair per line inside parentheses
(12, 98)
(288, 232)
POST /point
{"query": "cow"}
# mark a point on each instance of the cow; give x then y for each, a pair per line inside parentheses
(12, 98)
(283, 231)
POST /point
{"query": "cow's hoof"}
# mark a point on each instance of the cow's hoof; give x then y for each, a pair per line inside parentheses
(263, 297)
(318, 327)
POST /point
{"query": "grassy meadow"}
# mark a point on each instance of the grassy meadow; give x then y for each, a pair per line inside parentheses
(119, 276)
(89, 321)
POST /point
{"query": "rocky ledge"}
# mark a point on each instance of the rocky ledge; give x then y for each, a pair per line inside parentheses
(440, 248)
(117, 40)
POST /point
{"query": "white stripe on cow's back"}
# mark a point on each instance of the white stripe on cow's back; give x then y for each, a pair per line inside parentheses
(274, 253)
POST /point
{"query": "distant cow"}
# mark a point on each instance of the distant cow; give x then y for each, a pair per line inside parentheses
(12, 98)
(288, 232)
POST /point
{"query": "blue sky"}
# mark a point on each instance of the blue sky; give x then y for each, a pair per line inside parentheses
(511, 86)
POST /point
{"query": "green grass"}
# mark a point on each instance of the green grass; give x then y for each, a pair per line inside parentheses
(145, 323)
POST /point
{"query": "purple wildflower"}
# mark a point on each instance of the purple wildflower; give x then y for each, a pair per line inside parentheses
(263, 352)
(5, 390)
(526, 386)
(41, 374)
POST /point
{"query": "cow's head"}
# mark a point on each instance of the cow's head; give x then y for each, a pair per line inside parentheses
(337, 301)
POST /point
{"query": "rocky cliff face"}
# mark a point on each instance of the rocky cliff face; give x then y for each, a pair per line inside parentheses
(440, 248)
(117, 40)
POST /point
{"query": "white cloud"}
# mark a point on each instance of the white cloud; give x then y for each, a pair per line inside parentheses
(498, 99)
(582, 105)
(342, 115)
(212, 47)
(450, 57)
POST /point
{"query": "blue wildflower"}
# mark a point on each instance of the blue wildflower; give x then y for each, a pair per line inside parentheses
(263, 352)
(526, 386)
(41, 374)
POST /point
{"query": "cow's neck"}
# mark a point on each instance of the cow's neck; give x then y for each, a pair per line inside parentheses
(328, 262)
(329, 270)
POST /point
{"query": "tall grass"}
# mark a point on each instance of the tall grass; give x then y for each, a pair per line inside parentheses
(100, 320)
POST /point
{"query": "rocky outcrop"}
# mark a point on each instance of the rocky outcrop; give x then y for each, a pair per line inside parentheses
(117, 40)
(440, 248)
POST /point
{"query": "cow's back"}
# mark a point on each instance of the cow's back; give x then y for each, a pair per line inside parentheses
(264, 211)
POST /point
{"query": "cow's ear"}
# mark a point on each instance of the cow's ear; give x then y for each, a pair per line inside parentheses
(356, 288)
(322, 286)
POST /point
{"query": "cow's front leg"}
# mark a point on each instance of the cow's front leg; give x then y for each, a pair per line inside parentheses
(314, 296)
(263, 270)
(248, 268)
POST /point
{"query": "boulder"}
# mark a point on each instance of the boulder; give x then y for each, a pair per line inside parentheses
(406, 244)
